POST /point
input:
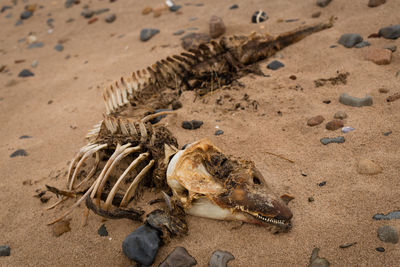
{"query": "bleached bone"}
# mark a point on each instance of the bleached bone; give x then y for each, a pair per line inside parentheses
(92, 171)
(76, 158)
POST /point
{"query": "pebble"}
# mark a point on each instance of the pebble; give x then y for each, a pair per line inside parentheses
(375, 3)
(147, 33)
(176, 104)
(69, 3)
(36, 45)
(333, 125)
(220, 258)
(25, 137)
(175, 8)
(26, 14)
(219, 132)
(234, 6)
(193, 18)
(110, 18)
(35, 63)
(383, 90)
(179, 257)
(274, 65)
(333, 46)
(314, 121)
(92, 20)
(391, 215)
(61, 228)
(259, 16)
(217, 26)
(5, 250)
(25, 73)
(19, 153)
(19, 22)
(388, 234)
(102, 231)
(339, 140)
(193, 40)
(366, 166)
(322, 184)
(362, 44)
(179, 32)
(323, 3)
(191, 125)
(4, 8)
(347, 129)
(380, 249)
(350, 39)
(101, 11)
(316, 14)
(59, 47)
(387, 133)
(142, 245)
(347, 100)
(392, 48)
(347, 245)
(310, 199)
(390, 32)
(340, 115)
(379, 56)
(147, 10)
(316, 261)
(326, 101)
(87, 13)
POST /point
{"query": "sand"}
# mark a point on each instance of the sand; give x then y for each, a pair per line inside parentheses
(100, 53)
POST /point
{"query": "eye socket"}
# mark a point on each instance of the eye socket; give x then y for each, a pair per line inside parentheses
(256, 180)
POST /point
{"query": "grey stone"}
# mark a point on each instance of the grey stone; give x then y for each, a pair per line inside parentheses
(35, 63)
(339, 140)
(101, 11)
(69, 3)
(87, 13)
(392, 48)
(102, 231)
(274, 65)
(234, 6)
(191, 125)
(390, 32)
(5, 250)
(341, 115)
(350, 39)
(219, 132)
(19, 153)
(36, 45)
(142, 245)
(391, 215)
(26, 14)
(375, 3)
(388, 234)
(25, 73)
(25, 137)
(348, 100)
(220, 258)
(323, 3)
(316, 261)
(147, 33)
(19, 22)
(179, 257)
(110, 18)
(179, 32)
(316, 14)
(362, 44)
(4, 8)
(380, 249)
(175, 8)
(59, 47)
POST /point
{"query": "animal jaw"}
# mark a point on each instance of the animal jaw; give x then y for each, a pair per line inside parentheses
(212, 185)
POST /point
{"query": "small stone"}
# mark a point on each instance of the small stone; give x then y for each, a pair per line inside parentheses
(69, 3)
(259, 16)
(102, 231)
(362, 44)
(234, 6)
(87, 13)
(146, 34)
(179, 32)
(392, 48)
(191, 125)
(391, 215)
(193, 40)
(19, 22)
(193, 18)
(92, 20)
(347, 100)
(217, 26)
(333, 125)
(36, 45)
(61, 228)
(274, 65)
(314, 121)
(219, 132)
(19, 153)
(110, 18)
(316, 261)
(323, 3)
(379, 56)
(326, 101)
(333, 46)
(26, 14)
(5, 250)
(316, 14)
(59, 47)
(383, 90)
(380, 249)
(147, 10)
(310, 199)
(391, 32)
(292, 77)
(387, 133)
(179, 257)
(347, 129)
(101, 11)
(321, 184)
(350, 39)
(388, 234)
(366, 166)
(35, 63)
(176, 105)
(347, 245)
(375, 3)
(175, 8)
(4, 8)
(340, 115)
(26, 73)
(220, 258)
(326, 140)
(142, 245)
(25, 137)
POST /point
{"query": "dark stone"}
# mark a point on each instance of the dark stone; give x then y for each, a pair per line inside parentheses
(19, 22)
(4, 8)
(219, 132)
(69, 3)
(147, 34)
(326, 102)
(234, 6)
(391, 32)
(323, 3)
(196, 124)
(191, 125)
(87, 13)
(49, 22)
(333, 46)
(25, 73)
(110, 18)
(322, 183)
(387, 133)
(59, 47)
(142, 245)
(25, 137)
(19, 153)
(175, 8)
(333, 125)
(179, 32)
(179, 257)
(36, 45)
(316, 261)
(176, 105)
(26, 14)
(362, 44)
(220, 258)
(274, 65)
(5, 250)
(375, 3)
(388, 234)
(339, 140)
(350, 39)
(157, 119)
(101, 11)
(259, 16)
(347, 245)
(102, 230)
(310, 199)
(380, 249)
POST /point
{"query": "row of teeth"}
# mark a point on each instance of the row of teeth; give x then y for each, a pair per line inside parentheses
(270, 220)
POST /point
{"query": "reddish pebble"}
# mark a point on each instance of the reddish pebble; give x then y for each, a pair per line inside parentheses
(315, 120)
(93, 20)
(379, 56)
(334, 125)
